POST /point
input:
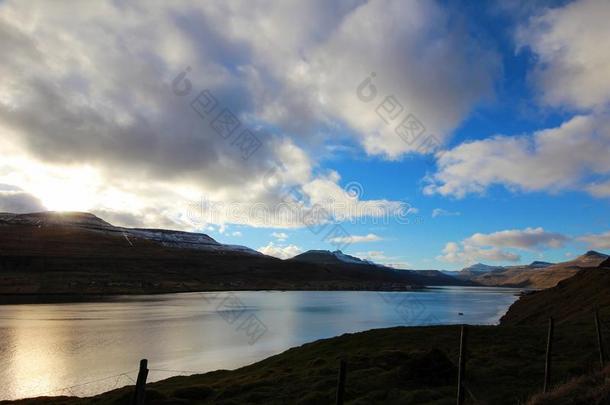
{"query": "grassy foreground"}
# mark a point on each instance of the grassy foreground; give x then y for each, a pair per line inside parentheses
(390, 366)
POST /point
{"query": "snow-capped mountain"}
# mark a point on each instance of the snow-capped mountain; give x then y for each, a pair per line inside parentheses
(328, 257)
(175, 239)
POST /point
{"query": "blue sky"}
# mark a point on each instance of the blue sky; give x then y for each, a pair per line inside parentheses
(98, 118)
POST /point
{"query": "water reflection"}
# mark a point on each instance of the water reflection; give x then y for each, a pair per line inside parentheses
(45, 348)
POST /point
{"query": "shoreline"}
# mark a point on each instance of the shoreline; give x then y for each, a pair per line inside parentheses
(67, 298)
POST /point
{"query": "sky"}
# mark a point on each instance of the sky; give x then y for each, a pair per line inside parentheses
(417, 134)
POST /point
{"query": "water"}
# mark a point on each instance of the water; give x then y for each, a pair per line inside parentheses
(87, 348)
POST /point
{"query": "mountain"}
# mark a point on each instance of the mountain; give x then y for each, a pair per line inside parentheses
(539, 264)
(571, 299)
(536, 274)
(340, 260)
(481, 268)
(468, 273)
(79, 253)
(87, 221)
(327, 257)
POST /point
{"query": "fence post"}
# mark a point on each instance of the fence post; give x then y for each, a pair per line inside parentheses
(139, 396)
(462, 365)
(600, 339)
(341, 381)
(547, 363)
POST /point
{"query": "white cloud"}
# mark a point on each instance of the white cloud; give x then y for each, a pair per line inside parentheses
(237, 234)
(599, 189)
(371, 237)
(89, 120)
(403, 43)
(467, 254)
(280, 236)
(440, 212)
(573, 54)
(279, 251)
(528, 238)
(552, 160)
(573, 61)
(15, 200)
(345, 206)
(597, 241)
(489, 247)
(380, 257)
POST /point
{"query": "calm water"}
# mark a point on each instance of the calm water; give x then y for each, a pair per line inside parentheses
(86, 348)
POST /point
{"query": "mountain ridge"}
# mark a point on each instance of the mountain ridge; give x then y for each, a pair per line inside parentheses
(80, 254)
(537, 274)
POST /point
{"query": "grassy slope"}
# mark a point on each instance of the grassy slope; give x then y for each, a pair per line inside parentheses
(528, 278)
(592, 389)
(389, 366)
(574, 298)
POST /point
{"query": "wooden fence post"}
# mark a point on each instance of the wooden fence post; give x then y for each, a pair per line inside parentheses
(547, 363)
(600, 339)
(341, 381)
(462, 365)
(139, 396)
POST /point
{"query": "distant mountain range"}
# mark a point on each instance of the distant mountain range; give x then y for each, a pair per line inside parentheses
(79, 253)
(534, 275)
(572, 299)
(338, 258)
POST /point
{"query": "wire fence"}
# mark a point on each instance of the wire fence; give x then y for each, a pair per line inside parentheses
(112, 382)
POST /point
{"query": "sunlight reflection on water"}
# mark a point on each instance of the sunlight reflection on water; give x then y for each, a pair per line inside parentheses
(45, 348)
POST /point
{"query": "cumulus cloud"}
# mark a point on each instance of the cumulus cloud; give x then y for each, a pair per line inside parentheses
(15, 200)
(597, 241)
(467, 254)
(399, 45)
(599, 189)
(528, 238)
(573, 58)
(280, 251)
(571, 72)
(318, 201)
(280, 236)
(440, 212)
(553, 159)
(490, 247)
(88, 90)
(380, 257)
(371, 237)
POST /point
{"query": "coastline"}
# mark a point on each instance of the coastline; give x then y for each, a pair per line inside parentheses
(66, 298)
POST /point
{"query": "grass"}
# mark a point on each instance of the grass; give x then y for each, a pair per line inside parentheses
(591, 389)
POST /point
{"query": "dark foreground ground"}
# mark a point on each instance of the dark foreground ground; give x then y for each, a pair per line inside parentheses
(390, 366)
